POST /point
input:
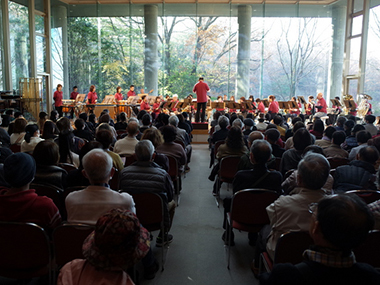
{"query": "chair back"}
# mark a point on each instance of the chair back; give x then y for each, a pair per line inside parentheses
(217, 145)
(337, 161)
(369, 251)
(68, 240)
(149, 210)
(67, 166)
(277, 163)
(173, 167)
(129, 159)
(54, 193)
(120, 133)
(249, 206)
(228, 168)
(114, 182)
(290, 247)
(24, 250)
(368, 196)
(181, 143)
(15, 148)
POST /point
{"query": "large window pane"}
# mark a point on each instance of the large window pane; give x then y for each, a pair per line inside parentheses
(355, 55)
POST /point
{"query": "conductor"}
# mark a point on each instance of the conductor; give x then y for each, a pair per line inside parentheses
(201, 89)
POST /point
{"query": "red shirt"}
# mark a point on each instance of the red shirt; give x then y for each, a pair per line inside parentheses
(354, 113)
(58, 98)
(73, 95)
(322, 102)
(131, 93)
(201, 89)
(261, 107)
(370, 109)
(92, 97)
(118, 96)
(156, 106)
(273, 107)
(144, 106)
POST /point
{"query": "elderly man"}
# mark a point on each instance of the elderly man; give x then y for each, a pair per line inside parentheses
(272, 136)
(321, 106)
(331, 260)
(221, 134)
(335, 150)
(127, 145)
(146, 176)
(359, 174)
(87, 205)
(327, 137)
(258, 177)
(290, 213)
(245, 161)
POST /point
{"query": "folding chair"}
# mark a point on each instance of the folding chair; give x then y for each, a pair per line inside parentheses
(24, 251)
(54, 193)
(214, 151)
(337, 161)
(129, 159)
(150, 211)
(368, 196)
(174, 175)
(248, 212)
(67, 166)
(114, 182)
(369, 251)
(15, 148)
(289, 249)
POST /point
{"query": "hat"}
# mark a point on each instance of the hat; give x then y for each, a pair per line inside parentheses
(19, 169)
(249, 122)
(117, 241)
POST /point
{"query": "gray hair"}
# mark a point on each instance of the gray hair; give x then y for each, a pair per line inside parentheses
(261, 151)
(223, 122)
(237, 123)
(133, 119)
(173, 120)
(313, 170)
(98, 165)
(144, 150)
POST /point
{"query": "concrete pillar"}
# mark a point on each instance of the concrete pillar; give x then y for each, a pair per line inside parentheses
(60, 21)
(6, 56)
(32, 39)
(244, 48)
(337, 55)
(151, 63)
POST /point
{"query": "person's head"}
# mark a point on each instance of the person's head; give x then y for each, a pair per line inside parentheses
(173, 120)
(92, 88)
(105, 118)
(10, 113)
(59, 87)
(237, 123)
(333, 225)
(105, 137)
(272, 135)
(255, 135)
(169, 132)
(248, 124)
(146, 119)
(368, 154)
(75, 89)
(144, 150)
(223, 122)
(370, 119)
(154, 135)
(118, 241)
(348, 125)
(49, 130)
(144, 98)
(86, 149)
(271, 98)
(338, 137)
(31, 130)
(277, 120)
(181, 119)
(63, 125)
(42, 115)
(83, 116)
(329, 131)
(313, 149)
(118, 89)
(271, 126)
(311, 98)
(123, 117)
(201, 78)
(185, 115)
(20, 124)
(363, 136)
(234, 138)
(258, 100)
(261, 152)
(216, 115)
(318, 126)
(132, 87)
(157, 99)
(319, 96)
(19, 170)
(341, 120)
(79, 124)
(295, 120)
(5, 121)
(132, 129)
(313, 171)
(175, 97)
(97, 166)
(46, 153)
(92, 118)
(301, 139)
(357, 128)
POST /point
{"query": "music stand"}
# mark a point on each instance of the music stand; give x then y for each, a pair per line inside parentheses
(335, 102)
(293, 105)
(302, 100)
(109, 99)
(230, 105)
(217, 105)
(237, 105)
(283, 105)
(80, 98)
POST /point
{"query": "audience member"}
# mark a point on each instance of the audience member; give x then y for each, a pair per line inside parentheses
(369, 126)
(80, 130)
(362, 138)
(65, 129)
(31, 138)
(122, 122)
(105, 138)
(49, 132)
(289, 142)
(221, 134)
(335, 150)
(272, 136)
(351, 141)
(155, 136)
(318, 129)
(18, 131)
(340, 123)
(126, 146)
(325, 141)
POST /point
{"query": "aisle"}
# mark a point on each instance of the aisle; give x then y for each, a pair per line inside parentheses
(197, 254)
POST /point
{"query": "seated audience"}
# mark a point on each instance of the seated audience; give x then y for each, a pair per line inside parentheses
(18, 131)
(272, 136)
(318, 129)
(105, 138)
(183, 125)
(146, 176)
(19, 203)
(42, 117)
(146, 121)
(335, 150)
(126, 146)
(234, 144)
(245, 161)
(155, 136)
(221, 135)
(369, 126)
(65, 129)
(351, 141)
(340, 123)
(46, 155)
(118, 242)
(122, 122)
(331, 260)
(249, 126)
(49, 132)
(278, 121)
(80, 130)
(31, 138)
(348, 126)
(359, 174)
(289, 142)
(362, 138)
(87, 205)
(325, 141)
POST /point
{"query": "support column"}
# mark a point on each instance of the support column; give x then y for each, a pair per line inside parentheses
(32, 39)
(60, 21)
(337, 56)
(6, 56)
(150, 51)
(244, 48)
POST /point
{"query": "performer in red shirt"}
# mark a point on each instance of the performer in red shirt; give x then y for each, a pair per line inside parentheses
(58, 95)
(74, 94)
(296, 111)
(144, 103)
(201, 89)
(309, 108)
(175, 101)
(321, 106)
(118, 95)
(156, 106)
(92, 97)
(232, 99)
(131, 91)
(273, 106)
(260, 106)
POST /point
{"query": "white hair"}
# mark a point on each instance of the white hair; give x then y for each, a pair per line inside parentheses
(144, 150)
(98, 165)
(237, 123)
(173, 120)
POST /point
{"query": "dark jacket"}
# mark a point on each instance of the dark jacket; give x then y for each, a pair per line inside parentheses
(51, 175)
(355, 176)
(220, 135)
